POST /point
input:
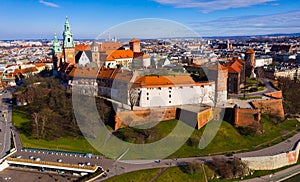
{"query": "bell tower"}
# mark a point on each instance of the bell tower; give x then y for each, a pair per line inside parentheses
(56, 55)
(68, 44)
(95, 53)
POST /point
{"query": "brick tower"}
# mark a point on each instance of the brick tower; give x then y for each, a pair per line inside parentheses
(68, 44)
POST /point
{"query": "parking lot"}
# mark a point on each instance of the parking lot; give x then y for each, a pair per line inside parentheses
(17, 174)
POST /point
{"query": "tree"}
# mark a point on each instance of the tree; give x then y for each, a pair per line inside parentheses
(229, 169)
(133, 97)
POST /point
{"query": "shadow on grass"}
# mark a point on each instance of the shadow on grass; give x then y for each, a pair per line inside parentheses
(25, 129)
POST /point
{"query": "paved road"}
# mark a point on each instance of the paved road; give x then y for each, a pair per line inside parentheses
(268, 88)
(278, 176)
(5, 122)
(284, 146)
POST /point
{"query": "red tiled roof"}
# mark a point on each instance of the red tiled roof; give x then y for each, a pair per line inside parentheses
(119, 54)
(235, 66)
(250, 51)
(25, 70)
(135, 40)
(40, 64)
(82, 47)
(84, 72)
(164, 81)
(105, 46)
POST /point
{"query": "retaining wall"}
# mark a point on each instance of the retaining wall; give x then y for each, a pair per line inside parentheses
(274, 161)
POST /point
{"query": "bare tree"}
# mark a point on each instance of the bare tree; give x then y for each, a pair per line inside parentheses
(133, 97)
(234, 168)
(35, 116)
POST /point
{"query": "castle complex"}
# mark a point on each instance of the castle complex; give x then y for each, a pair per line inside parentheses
(114, 71)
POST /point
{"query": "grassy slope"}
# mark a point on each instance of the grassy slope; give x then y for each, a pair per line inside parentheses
(143, 175)
(227, 139)
(22, 122)
(171, 174)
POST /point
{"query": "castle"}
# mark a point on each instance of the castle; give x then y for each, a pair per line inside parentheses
(106, 69)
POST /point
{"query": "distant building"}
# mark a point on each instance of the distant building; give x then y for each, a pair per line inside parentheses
(263, 60)
(282, 48)
(135, 45)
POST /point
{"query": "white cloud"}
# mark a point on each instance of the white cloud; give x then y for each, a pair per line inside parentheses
(207, 6)
(252, 25)
(46, 3)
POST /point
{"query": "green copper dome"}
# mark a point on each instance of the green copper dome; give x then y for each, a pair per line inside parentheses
(68, 36)
(56, 46)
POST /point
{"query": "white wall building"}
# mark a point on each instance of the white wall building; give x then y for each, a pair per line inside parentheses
(161, 91)
(263, 61)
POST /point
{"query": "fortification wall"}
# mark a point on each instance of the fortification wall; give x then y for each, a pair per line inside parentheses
(273, 162)
(246, 117)
(142, 117)
(273, 107)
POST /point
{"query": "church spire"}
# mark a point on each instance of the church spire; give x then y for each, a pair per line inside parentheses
(68, 36)
(56, 46)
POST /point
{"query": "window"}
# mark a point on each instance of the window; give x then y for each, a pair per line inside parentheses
(159, 88)
(147, 93)
(69, 40)
(170, 96)
(170, 103)
(147, 98)
(170, 88)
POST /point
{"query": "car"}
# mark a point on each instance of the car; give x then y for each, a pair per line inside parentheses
(88, 163)
(59, 160)
(157, 161)
(80, 164)
(19, 157)
(31, 157)
(37, 159)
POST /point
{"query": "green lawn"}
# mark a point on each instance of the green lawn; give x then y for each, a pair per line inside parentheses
(227, 140)
(170, 174)
(250, 97)
(143, 175)
(22, 122)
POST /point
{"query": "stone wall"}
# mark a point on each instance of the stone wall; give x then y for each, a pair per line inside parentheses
(273, 107)
(153, 116)
(142, 117)
(273, 162)
(246, 117)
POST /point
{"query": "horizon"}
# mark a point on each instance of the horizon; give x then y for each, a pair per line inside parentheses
(128, 38)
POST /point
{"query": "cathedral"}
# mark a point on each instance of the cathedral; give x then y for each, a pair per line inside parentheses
(66, 57)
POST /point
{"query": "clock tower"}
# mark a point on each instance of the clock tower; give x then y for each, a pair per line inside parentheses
(68, 44)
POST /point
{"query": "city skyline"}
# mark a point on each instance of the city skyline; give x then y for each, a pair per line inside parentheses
(40, 19)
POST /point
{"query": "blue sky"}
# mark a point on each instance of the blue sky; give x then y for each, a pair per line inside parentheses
(21, 19)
